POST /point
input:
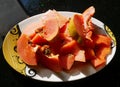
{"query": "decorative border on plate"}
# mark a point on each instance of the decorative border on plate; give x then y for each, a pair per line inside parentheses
(110, 33)
(10, 52)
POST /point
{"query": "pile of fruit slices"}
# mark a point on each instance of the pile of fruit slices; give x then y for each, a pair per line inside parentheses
(57, 42)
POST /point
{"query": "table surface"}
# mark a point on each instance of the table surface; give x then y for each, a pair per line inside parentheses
(106, 10)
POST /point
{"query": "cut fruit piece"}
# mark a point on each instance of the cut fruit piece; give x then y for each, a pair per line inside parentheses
(72, 29)
(62, 20)
(66, 61)
(102, 51)
(26, 51)
(80, 56)
(51, 63)
(79, 24)
(102, 39)
(69, 47)
(63, 29)
(38, 39)
(51, 29)
(88, 13)
(53, 21)
(88, 44)
(83, 23)
(89, 54)
(32, 27)
(48, 26)
(98, 62)
(59, 41)
(89, 35)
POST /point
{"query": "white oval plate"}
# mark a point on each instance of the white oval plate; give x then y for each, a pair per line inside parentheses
(44, 74)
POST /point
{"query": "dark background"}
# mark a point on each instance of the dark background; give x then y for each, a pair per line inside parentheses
(107, 11)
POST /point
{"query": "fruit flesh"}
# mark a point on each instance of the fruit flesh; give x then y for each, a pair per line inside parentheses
(57, 43)
(24, 48)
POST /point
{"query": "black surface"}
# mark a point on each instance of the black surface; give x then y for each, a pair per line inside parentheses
(106, 10)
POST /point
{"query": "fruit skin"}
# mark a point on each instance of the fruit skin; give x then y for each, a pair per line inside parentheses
(88, 13)
(83, 23)
(72, 29)
(79, 24)
(26, 52)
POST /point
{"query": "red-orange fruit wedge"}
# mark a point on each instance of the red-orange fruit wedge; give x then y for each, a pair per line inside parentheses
(66, 61)
(26, 52)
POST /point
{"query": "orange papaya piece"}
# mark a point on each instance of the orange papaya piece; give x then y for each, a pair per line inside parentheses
(102, 39)
(66, 61)
(103, 51)
(69, 47)
(30, 29)
(98, 62)
(38, 39)
(88, 13)
(80, 56)
(90, 54)
(26, 52)
(51, 63)
(79, 24)
(50, 30)
(53, 21)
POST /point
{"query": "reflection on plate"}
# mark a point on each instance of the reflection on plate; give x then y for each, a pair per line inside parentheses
(44, 74)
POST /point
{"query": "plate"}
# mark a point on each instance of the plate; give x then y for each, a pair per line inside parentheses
(44, 74)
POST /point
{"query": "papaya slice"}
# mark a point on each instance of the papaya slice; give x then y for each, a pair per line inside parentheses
(89, 36)
(90, 54)
(32, 27)
(52, 63)
(79, 24)
(66, 61)
(53, 21)
(38, 39)
(68, 47)
(62, 20)
(83, 23)
(80, 56)
(51, 29)
(26, 51)
(102, 51)
(102, 39)
(88, 13)
(98, 62)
